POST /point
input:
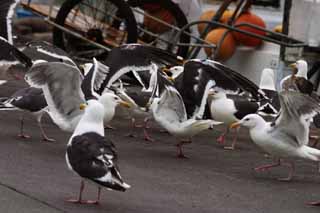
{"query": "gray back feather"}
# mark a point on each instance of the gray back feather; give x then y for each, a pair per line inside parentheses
(297, 110)
(61, 85)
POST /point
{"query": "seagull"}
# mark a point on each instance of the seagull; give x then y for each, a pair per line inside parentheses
(228, 109)
(196, 73)
(31, 100)
(135, 59)
(288, 135)
(169, 111)
(91, 155)
(298, 81)
(192, 79)
(138, 101)
(63, 103)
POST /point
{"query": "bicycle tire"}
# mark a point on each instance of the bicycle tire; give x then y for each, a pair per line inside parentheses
(123, 10)
(177, 13)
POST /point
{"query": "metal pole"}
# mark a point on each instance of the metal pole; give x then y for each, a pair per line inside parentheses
(285, 25)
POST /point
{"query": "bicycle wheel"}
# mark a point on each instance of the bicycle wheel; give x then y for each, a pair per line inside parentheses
(153, 32)
(109, 23)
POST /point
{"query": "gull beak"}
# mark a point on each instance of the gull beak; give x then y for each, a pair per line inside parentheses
(166, 70)
(170, 78)
(293, 66)
(235, 125)
(211, 93)
(125, 104)
(82, 106)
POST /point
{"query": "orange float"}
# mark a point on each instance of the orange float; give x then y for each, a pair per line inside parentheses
(228, 46)
(247, 40)
(160, 13)
(208, 15)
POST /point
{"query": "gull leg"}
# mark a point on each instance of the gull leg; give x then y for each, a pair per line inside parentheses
(109, 127)
(221, 138)
(44, 136)
(267, 166)
(234, 140)
(314, 203)
(135, 124)
(97, 201)
(79, 200)
(146, 121)
(21, 134)
(131, 134)
(179, 149)
(145, 132)
(147, 136)
(292, 169)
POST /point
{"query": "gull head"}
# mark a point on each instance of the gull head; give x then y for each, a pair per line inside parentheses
(216, 93)
(176, 71)
(300, 68)
(111, 100)
(250, 121)
(94, 110)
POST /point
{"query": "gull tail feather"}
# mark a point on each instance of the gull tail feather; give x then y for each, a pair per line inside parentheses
(310, 153)
(205, 124)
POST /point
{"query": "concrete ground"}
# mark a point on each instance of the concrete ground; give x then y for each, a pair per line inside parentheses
(34, 176)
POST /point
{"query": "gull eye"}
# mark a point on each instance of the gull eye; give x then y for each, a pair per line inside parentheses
(247, 119)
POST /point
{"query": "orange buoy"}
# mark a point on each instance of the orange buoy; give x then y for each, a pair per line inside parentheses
(247, 40)
(154, 25)
(228, 45)
(207, 16)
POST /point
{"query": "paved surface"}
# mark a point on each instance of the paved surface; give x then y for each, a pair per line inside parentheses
(34, 176)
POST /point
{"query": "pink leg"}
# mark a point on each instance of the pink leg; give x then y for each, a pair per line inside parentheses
(146, 121)
(221, 138)
(133, 127)
(268, 166)
(145, 132)
(233, 145)
(45, 138)
(79, 200)
(291, 166)
(96, 202)
(314, 203)
(179, 149)
(147, 136)
(21, 134)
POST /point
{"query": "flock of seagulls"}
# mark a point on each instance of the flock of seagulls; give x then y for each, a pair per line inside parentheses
(183, 97)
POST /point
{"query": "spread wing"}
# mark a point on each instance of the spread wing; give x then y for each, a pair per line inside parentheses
(297, 111)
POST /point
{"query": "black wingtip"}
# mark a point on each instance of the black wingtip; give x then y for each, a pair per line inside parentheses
(12, 50)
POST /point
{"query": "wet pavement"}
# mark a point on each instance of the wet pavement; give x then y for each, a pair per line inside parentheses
(34, 176)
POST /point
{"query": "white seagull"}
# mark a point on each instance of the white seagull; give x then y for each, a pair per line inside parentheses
(228, 109)
(298, 81)
(92, 156)
(288, 135)
(170, 112)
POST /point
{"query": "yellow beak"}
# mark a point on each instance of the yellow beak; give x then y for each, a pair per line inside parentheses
(164, 69)
(170, 78)
(125, 104)
(82, 106)
(235, 125)
(293, 66)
